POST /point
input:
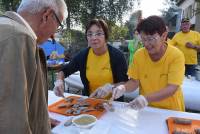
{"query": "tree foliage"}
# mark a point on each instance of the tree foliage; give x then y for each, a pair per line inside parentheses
(118, 32)
(132, 22)
(73, 36)
(80, 11)
(111, 10)
(170, 10)
(73, 8)
(10, 4)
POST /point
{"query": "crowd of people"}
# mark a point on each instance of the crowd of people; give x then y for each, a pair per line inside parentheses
(156, 67)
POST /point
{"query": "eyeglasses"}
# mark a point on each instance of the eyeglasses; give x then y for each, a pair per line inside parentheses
(59, 22)
(149, 39)
(98, 34)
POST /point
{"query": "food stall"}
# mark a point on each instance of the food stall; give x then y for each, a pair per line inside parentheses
(121, 120)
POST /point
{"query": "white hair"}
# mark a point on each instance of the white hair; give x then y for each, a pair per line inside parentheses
(35, 6)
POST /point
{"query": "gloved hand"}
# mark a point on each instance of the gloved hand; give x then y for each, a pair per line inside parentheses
(118, 92)
(103, 91)
(138, 103)
(59, 88)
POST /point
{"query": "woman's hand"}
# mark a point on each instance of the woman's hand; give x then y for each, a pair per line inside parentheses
(59, 87)
(103, 91)
(138, 103)
(118, 91)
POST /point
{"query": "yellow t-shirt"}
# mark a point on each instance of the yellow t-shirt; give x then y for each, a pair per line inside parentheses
(154, 76)
(98, 70)
(180, 39)
(168, 41)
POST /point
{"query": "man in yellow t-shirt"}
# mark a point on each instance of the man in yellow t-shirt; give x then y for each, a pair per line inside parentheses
(157, 69)
(188, 42)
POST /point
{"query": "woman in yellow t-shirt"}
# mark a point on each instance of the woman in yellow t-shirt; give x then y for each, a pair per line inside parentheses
(99, 63)
(157, 69)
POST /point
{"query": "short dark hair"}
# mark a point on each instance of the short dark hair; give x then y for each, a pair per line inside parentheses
(101, 24)
(151, 25)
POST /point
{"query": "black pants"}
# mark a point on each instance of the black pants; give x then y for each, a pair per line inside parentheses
(190, 70)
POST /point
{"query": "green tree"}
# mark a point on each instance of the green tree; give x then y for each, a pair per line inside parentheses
(169, 9)
(73, 8)
(72, 37)
(81, 11)
(111, 10)
(1, 7)
(118, 32)
(10, 5)
(132, 22)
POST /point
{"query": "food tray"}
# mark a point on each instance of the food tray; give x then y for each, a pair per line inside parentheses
(189, 126)
(93, 102)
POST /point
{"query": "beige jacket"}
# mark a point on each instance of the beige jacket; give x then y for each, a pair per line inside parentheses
(23, 100)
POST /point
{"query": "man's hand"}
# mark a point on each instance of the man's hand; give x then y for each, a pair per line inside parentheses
(59, 87)
(190, 45)
(53, 122)
(138, 103)
(118, 92)
(103, 91)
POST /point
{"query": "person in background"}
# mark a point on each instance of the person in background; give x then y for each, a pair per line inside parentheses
(168, 39)
(23, 89)
(157, 69)
(99, 63)
(188, 42)
(134, 45)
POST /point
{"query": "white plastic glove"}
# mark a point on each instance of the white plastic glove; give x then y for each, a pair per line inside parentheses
(103, 91)
(118, 92)
(138, 103)
(59, 88)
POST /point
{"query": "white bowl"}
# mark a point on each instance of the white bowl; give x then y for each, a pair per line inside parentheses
(84, 121)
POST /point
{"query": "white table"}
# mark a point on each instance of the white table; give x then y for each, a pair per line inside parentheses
(191, 90)
(147, 121)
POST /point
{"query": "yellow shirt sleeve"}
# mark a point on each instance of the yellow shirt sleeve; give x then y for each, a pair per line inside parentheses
(176, 68)
(133, 70)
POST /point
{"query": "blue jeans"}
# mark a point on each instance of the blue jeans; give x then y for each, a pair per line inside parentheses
(190, 70)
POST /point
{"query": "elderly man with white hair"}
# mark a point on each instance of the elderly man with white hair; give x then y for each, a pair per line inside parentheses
(23, 90)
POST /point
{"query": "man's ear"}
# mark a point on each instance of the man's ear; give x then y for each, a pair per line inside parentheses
(46, 14)
(164, 35)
